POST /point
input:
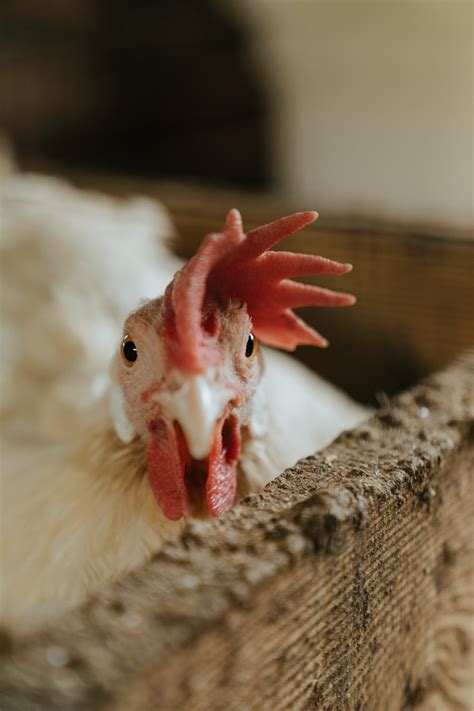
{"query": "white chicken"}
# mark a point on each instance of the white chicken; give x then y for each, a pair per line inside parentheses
(76, 503)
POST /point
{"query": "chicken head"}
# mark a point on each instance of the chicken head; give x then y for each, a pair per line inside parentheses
(188, 366)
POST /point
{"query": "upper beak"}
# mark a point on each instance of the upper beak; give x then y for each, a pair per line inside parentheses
(196, 405)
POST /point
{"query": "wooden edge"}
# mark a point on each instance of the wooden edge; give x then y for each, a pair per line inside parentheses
(309, 513)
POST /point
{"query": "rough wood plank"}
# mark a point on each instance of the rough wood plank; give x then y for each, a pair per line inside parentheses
(338, 587)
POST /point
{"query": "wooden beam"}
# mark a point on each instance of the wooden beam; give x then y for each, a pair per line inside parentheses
(339, 587)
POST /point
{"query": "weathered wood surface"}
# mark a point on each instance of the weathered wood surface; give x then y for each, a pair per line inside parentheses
(344, 585)
(415, 291)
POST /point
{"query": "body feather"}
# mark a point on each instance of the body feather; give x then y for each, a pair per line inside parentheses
(77, 508)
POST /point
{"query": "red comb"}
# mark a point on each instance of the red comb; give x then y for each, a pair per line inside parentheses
(235, 265)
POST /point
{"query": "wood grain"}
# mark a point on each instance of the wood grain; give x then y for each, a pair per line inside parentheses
(345, 585)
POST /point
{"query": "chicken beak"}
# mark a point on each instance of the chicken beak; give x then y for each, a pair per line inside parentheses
(197, 404)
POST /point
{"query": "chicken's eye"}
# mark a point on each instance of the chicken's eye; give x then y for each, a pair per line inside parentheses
(129, 351)
(252, 347)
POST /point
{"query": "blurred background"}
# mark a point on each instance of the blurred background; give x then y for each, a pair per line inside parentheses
(363, 107)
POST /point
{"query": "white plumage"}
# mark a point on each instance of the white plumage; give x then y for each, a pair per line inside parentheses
(76, 505)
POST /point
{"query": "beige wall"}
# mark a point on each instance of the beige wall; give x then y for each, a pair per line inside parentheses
(372, 105)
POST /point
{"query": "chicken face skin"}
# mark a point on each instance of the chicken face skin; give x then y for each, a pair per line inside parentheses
(189, 418)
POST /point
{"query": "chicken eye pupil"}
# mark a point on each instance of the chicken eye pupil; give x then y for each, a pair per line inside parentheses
(250, 347)
(130, 351)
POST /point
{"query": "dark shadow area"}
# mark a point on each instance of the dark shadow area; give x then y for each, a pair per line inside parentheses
(154, 88)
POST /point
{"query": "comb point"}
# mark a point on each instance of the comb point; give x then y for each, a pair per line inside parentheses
(234, 220)
(235, 265)
(311, 216)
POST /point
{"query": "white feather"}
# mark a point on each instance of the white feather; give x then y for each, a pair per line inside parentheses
(74, 511)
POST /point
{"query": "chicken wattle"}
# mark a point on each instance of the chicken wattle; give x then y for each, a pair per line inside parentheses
(182, 484)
